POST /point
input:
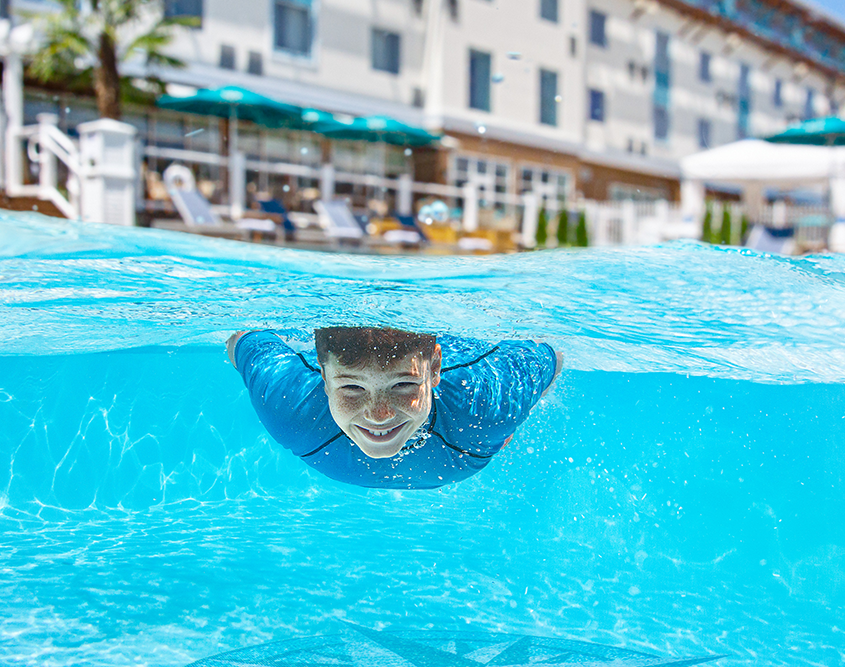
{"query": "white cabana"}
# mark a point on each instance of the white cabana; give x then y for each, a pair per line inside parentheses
(754, 165)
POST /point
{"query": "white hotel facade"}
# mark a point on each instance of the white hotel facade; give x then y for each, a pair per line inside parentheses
(569, 98)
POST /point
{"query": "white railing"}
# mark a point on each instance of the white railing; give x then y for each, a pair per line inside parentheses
(608, 223)
(46, 144)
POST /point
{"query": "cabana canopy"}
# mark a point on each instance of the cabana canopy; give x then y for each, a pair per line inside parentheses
(758, 161)
(755, 165)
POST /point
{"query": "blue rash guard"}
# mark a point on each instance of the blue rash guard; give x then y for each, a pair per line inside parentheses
(484, 394)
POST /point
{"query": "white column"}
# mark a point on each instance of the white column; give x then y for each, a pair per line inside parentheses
(13, 106)
(753, 202)
(530, 212)
(107, 157)
(327, 182)
(692, 201)
(237, 184)
(47, 175)
(405, 195)
(836, 239)
(470, 220)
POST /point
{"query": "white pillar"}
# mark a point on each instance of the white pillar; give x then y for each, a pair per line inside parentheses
(237, 184)
(13, 106)
(47, 175)
(692, 201)
(530, 212)
(753, 202)
(470, 220)
(107, 157)
(327, 182)
(405, 196)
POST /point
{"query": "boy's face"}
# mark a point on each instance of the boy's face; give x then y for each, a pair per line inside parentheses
(380, 408)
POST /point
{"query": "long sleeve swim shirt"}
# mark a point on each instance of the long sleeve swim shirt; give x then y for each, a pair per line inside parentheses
(485, 392)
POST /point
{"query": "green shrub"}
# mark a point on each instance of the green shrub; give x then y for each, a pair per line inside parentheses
(563, 227)
(707, 227)
(581, 231)
(542, 228)
(725, 229)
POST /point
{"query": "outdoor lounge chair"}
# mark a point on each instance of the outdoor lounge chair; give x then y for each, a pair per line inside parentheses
(766, 239)
(197, 214)
(277, 211)
(338, 221)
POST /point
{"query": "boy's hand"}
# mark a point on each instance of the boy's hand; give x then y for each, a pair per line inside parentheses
(230, 346)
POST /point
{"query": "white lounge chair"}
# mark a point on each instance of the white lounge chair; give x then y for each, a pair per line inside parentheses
(338, 221)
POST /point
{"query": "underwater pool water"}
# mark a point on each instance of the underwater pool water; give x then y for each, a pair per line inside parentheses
(679, 491)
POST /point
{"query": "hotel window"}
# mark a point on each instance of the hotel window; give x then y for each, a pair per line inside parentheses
(809, 105)
(489, 176)
(255, 64)
(227, 56)
(386, 47)
(480, 66)
(598, 35)
(704, 67)
(549, 184)
(662, 81)
(597, 105)
(744, 102)
(293, 24)
(548, 97)
(777, 96)
(172, 8)
(548, 10)
(704, 130)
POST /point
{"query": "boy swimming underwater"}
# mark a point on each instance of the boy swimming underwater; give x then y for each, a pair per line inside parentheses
(393, 409)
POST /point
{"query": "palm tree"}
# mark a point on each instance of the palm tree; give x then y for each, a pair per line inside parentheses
(85, 43)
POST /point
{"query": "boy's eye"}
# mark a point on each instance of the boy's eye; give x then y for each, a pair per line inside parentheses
(405, 385)
(352, 387)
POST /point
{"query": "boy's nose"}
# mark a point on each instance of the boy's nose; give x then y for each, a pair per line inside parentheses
(380, 411)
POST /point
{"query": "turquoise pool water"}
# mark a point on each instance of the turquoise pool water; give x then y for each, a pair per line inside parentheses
(679, 491)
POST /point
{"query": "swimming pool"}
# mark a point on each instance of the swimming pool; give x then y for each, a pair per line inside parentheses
(679, 491)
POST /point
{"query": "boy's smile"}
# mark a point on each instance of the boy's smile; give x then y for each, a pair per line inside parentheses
(381, 408)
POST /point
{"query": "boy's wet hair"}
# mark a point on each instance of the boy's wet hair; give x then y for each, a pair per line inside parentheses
(356, 346)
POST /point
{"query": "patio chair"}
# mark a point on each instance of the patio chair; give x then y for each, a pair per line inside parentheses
(190, 204)
(780, 241)
(338, 221)
(277, 210)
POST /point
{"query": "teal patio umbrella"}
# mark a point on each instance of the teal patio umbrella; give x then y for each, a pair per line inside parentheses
(829, 131)
(237, 103)
(375, 129)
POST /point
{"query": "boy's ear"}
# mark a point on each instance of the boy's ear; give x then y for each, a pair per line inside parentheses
(323, 375)
(436, 365)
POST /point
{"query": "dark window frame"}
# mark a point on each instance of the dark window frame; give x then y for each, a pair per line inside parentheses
(303, 50)
(598, 28)
(228, 57)
(387, 56)
(598, 109)
(548, 97)
(705, 133)
(550, 10)
(705, 61)
(178, 8)
(480, 87)
(255, 63)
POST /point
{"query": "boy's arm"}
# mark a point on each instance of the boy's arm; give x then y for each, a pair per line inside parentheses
(285, 391)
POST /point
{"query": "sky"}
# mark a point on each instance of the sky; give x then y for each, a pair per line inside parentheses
(835, 7)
